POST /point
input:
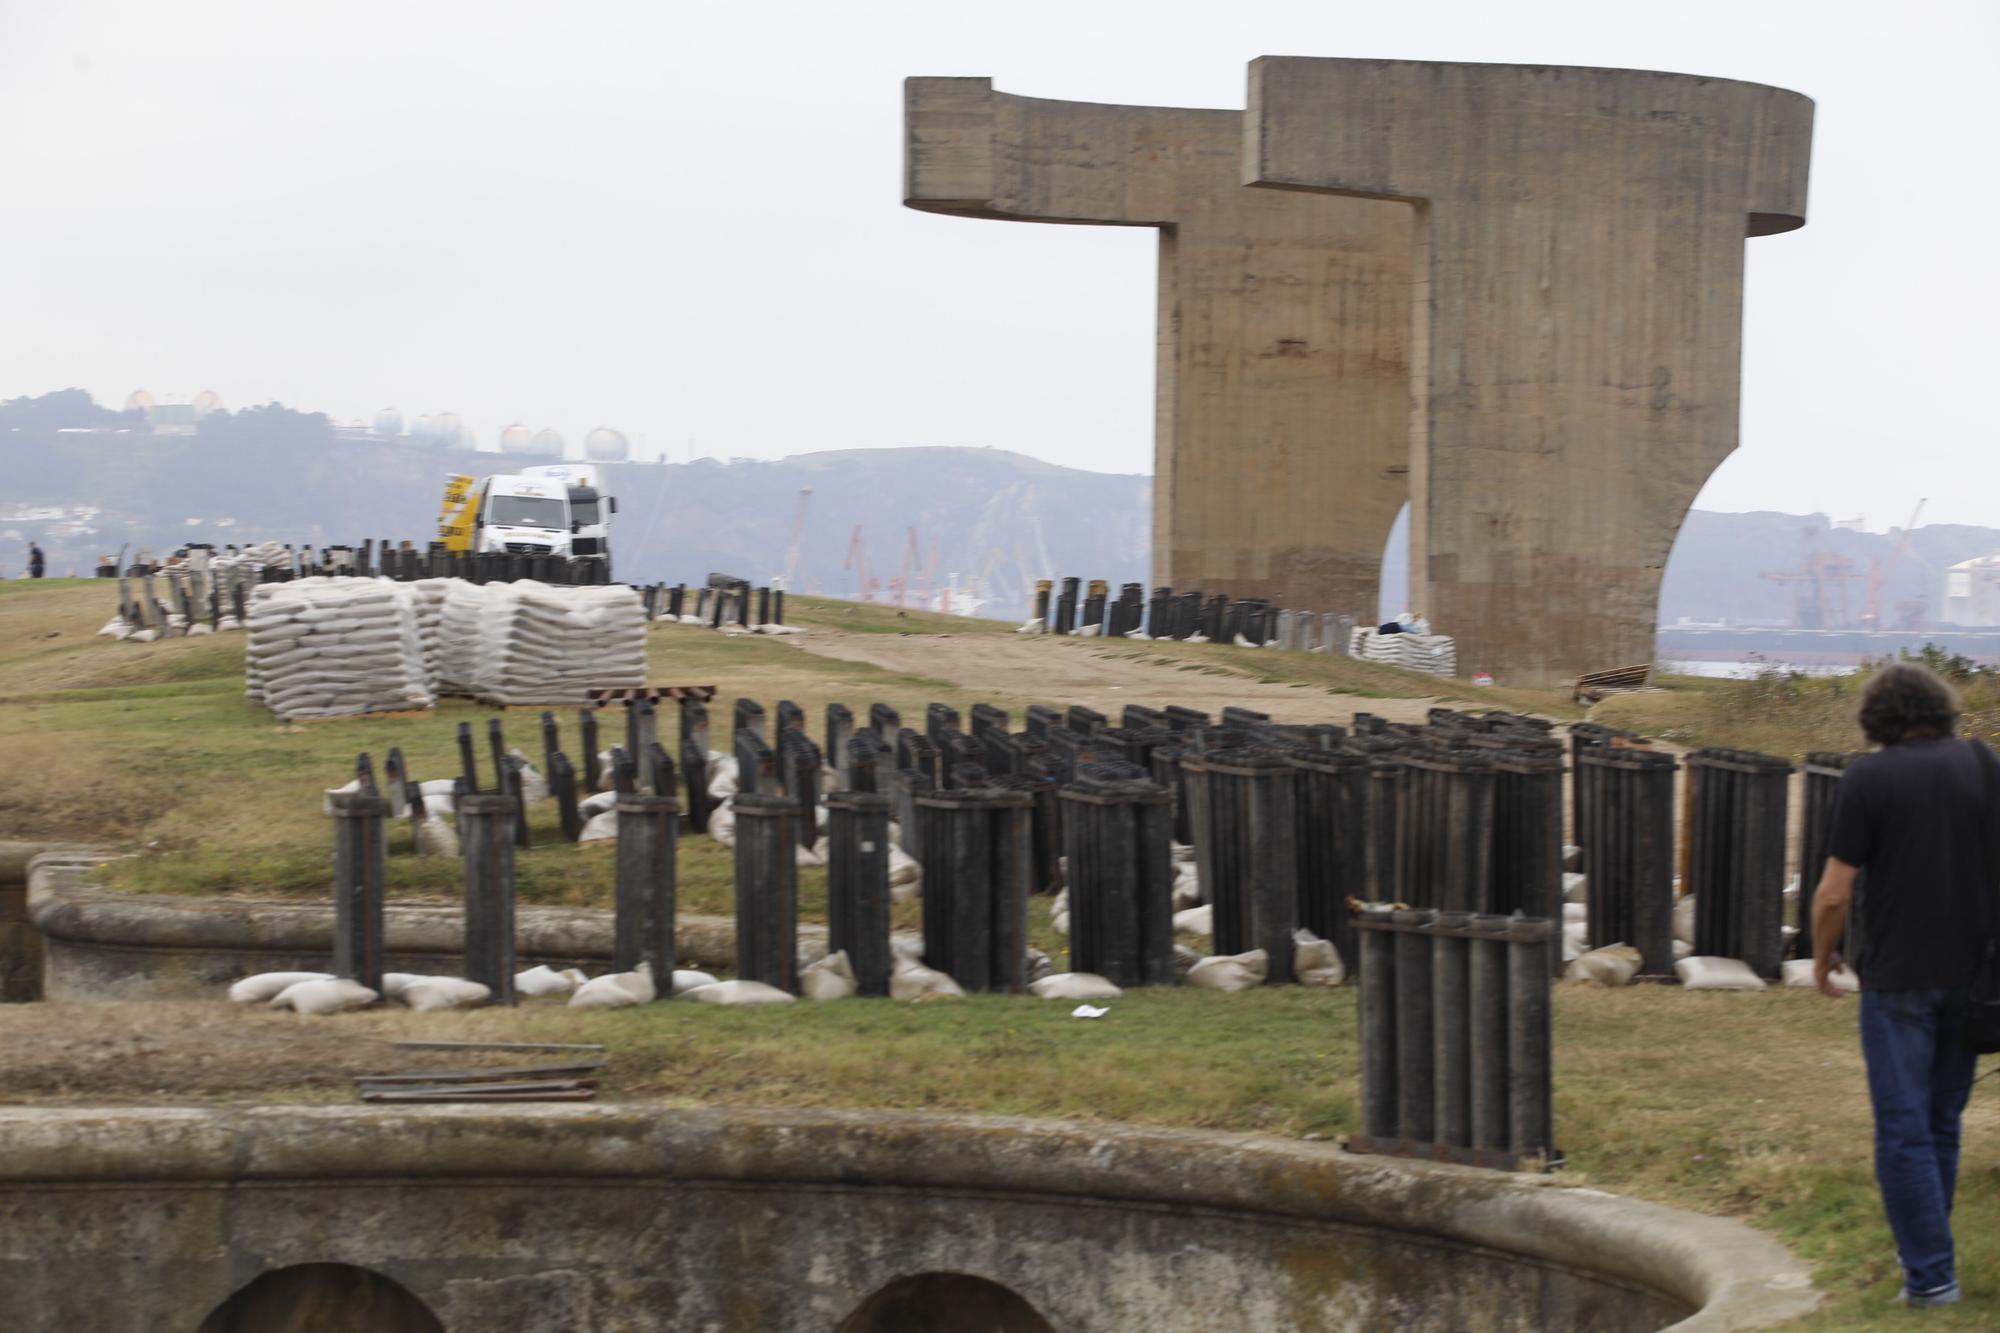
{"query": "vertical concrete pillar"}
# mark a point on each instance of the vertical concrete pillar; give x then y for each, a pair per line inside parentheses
(1283, 387)
(1578, 322)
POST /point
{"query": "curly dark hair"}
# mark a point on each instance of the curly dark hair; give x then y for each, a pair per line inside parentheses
(1904, 701)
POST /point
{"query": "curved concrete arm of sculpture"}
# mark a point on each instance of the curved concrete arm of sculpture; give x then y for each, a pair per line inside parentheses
(1431, 130)
(975, 152)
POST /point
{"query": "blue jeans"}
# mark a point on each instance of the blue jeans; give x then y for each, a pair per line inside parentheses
(1919, 1076)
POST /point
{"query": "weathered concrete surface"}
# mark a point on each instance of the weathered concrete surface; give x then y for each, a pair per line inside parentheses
(105, 944)
(20, 942)
(603, 1218)
(1580, 237)
(1284, 327)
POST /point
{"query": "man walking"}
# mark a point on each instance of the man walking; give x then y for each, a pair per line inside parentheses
(37, 562)
(1912, 816)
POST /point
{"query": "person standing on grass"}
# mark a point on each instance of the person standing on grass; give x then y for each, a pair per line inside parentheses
(1912, 815)
(37, 562)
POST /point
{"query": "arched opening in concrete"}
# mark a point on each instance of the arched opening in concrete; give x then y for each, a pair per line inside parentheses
(1395, 594)
(322, 1298)
(945, 1303)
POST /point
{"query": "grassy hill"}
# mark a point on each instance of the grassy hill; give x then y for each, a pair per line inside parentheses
(1751, 1105)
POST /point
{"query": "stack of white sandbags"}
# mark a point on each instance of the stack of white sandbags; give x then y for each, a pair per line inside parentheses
(460, 631)
(540, 644)
(1436, 654)
(428, 596)
(335, 647)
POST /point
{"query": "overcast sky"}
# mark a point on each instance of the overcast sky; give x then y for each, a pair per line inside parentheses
(683, 219)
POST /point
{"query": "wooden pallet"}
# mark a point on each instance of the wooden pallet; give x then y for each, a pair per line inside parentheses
(651, 694)
(1595, 685)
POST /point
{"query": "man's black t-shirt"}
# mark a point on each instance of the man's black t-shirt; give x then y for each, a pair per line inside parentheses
(1913, 816)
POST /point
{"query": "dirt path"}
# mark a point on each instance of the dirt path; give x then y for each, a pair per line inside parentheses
(1075, 671)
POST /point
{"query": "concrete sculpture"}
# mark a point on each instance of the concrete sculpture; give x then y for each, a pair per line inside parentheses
(1578, 327)
(1284, 327)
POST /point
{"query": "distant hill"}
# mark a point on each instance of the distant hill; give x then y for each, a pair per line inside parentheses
(83, 480)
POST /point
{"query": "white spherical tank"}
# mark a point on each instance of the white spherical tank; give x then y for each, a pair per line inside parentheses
(549, 441)
(605, 445)
(208, 400)
(424, 428)
(517, 439)
(388, 422)
(449, 430)
(138, 401)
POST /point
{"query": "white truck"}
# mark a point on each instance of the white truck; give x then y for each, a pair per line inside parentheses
(557, 509)
(590, 508)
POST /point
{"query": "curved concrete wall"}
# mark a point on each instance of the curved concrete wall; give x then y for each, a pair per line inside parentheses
(20, 942)
(104, 944)
(603, 1218)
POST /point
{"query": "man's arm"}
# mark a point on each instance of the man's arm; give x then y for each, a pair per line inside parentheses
(1829, 921)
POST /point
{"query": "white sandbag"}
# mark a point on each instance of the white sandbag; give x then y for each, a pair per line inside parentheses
(590, 807)
(1575, 912)
(1612, 965)
(348, 788)
(430, 993)
(395, 983)
(1706, 972)
(1187, 888)
(1316, 962)
(914, 981)
(1074, 986)
(1060, 924)
(831, 978)
(1572, 856)
(265, 985)
(1684, 919)
(435, 836)
(1576, 888)
(1195, 921)
(906, 949)
(687, 979)
(331, 995)
(1231, 972)
(601, 827)
(534, 787)
(722, 777)
(616, 990)
(740, 992)
(722, 823)
(904, 870)
(1799, 972)
(542, 979)
(805, 857)
(1682, 949)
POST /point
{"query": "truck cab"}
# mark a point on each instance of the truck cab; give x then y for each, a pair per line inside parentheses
(590, 508)
(523, 515)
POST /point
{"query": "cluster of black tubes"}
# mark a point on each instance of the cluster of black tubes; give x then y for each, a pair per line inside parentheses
(1168, 614)
(1430, 855)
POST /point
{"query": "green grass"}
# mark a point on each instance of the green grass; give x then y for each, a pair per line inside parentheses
(1335, 675)
(1783, 712)
(877, 618)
